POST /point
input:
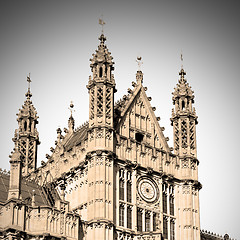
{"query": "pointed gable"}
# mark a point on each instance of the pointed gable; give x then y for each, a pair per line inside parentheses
(137, 119)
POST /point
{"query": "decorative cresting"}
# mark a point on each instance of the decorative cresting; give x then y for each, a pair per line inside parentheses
(184, 118)
(101, 87)
(26, 137)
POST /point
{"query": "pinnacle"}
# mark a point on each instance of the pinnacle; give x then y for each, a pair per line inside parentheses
(28, 94)
(182, 79)
(102, 38)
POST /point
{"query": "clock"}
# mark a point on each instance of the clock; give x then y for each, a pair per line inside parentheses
(148, 189)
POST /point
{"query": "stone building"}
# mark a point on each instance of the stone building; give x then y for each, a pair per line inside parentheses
(113, 178)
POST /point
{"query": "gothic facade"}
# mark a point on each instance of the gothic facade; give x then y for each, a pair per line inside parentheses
(113, 178)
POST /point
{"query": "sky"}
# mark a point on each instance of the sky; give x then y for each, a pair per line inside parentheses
(54, 40)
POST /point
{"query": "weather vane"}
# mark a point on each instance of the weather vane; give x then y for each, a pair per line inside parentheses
(182, 59)
(139, 62)
(101, 22)
(71, 107)
(29, 81)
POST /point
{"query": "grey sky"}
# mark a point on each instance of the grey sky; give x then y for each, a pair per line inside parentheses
(55, 39)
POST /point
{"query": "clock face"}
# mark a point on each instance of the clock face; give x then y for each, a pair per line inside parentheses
(147, 189)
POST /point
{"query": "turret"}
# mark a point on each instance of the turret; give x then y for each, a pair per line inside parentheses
(101, 152)
(26, 136)
(184, 122)
(101, 86)
(184, 118)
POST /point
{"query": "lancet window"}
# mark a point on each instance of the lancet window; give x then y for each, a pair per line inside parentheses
(165, 228)
(121, 189)
(172, 230)
(139, 220)
(164, 197)
(129, 191)
(129, 217)
(147, 222)
(121, 215)
(171, 199)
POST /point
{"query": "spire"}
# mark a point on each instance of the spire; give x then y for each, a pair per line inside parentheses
(102, 62)
(26, 136)
(183, 90)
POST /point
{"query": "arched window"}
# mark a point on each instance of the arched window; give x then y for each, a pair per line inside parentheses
(172, 230)
(171, 203)
(100, 72)
(147, 222)
(139, 220)
(164, 196)
(183, 105)
(121, 216)
(25, 126)
(129, 191)
(121, 189)
(129, 217)
(165, 228)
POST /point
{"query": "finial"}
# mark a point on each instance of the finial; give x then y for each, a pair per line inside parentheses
(71, 107)
(71, 120)
(139, 62)
(28, 94)
(101, 22)
(181, 60)
(139, 75)
(29, 81)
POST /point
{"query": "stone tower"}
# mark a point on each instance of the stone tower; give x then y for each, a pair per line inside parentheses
(101, 151)
(184, 122)
(26, 136)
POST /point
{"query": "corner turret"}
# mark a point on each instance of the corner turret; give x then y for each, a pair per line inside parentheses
(26, 137)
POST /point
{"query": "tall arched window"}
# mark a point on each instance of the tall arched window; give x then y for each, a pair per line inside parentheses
(121, 189)
(172, 230)
(139, 220)
(121, 215)
(129, 217)
(164, 196)
(100, 72)
(171, 205)
(25, 125)
(165, 228)
(147, 222)
(129, 191)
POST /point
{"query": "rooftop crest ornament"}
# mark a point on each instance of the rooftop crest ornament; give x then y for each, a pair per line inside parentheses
(139, 62)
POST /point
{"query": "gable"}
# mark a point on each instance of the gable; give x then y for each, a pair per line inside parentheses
(139, 122)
